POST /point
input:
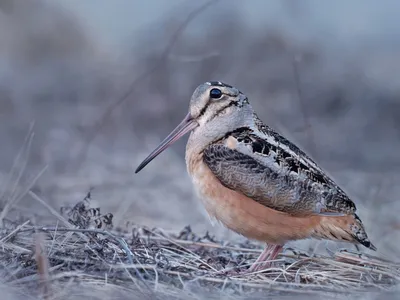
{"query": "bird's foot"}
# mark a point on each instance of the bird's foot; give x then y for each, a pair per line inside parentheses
(255, 268)
(264, 262)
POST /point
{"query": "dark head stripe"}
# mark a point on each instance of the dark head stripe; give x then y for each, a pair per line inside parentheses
(219, 83)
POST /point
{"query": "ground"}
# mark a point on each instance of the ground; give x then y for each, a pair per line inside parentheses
(339, 102)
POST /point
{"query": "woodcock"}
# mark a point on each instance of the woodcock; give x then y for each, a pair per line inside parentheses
(254, 180)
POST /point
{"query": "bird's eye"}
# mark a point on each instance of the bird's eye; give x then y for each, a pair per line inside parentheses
(215, 93)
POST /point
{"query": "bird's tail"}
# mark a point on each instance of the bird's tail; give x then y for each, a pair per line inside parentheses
(347, 228)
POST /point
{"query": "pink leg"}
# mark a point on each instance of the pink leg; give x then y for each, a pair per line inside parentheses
(263, 261)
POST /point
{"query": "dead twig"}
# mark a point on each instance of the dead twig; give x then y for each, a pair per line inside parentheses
(42, 266)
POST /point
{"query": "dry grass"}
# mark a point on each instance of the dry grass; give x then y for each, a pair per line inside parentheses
(83, 249)
(82, 255)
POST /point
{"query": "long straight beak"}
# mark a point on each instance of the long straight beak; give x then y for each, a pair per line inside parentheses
(184, 127)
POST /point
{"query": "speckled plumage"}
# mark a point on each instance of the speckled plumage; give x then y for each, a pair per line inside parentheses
(258, 162)
(273, 176)
(254, 180)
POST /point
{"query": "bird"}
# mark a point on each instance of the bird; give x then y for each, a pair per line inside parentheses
(255, 181)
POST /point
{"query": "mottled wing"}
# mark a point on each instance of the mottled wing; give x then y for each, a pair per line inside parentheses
(248, 164)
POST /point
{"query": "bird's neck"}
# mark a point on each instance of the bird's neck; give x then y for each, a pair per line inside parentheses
(194, 149)
(201, 138)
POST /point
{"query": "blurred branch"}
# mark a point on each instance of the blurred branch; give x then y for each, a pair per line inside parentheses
(104, 118)
(191, 59)
(308, 127)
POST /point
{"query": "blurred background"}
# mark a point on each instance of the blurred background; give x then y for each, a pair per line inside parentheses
(104, 81)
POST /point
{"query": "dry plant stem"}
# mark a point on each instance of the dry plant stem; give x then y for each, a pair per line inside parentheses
(21, 158)
(119, 240)
(187, 250)
(345, 273)
(170, 263)
(42, 265)
(26, 147)
(52, 210)
(15, 231)
(70, 229)
(22, 194)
